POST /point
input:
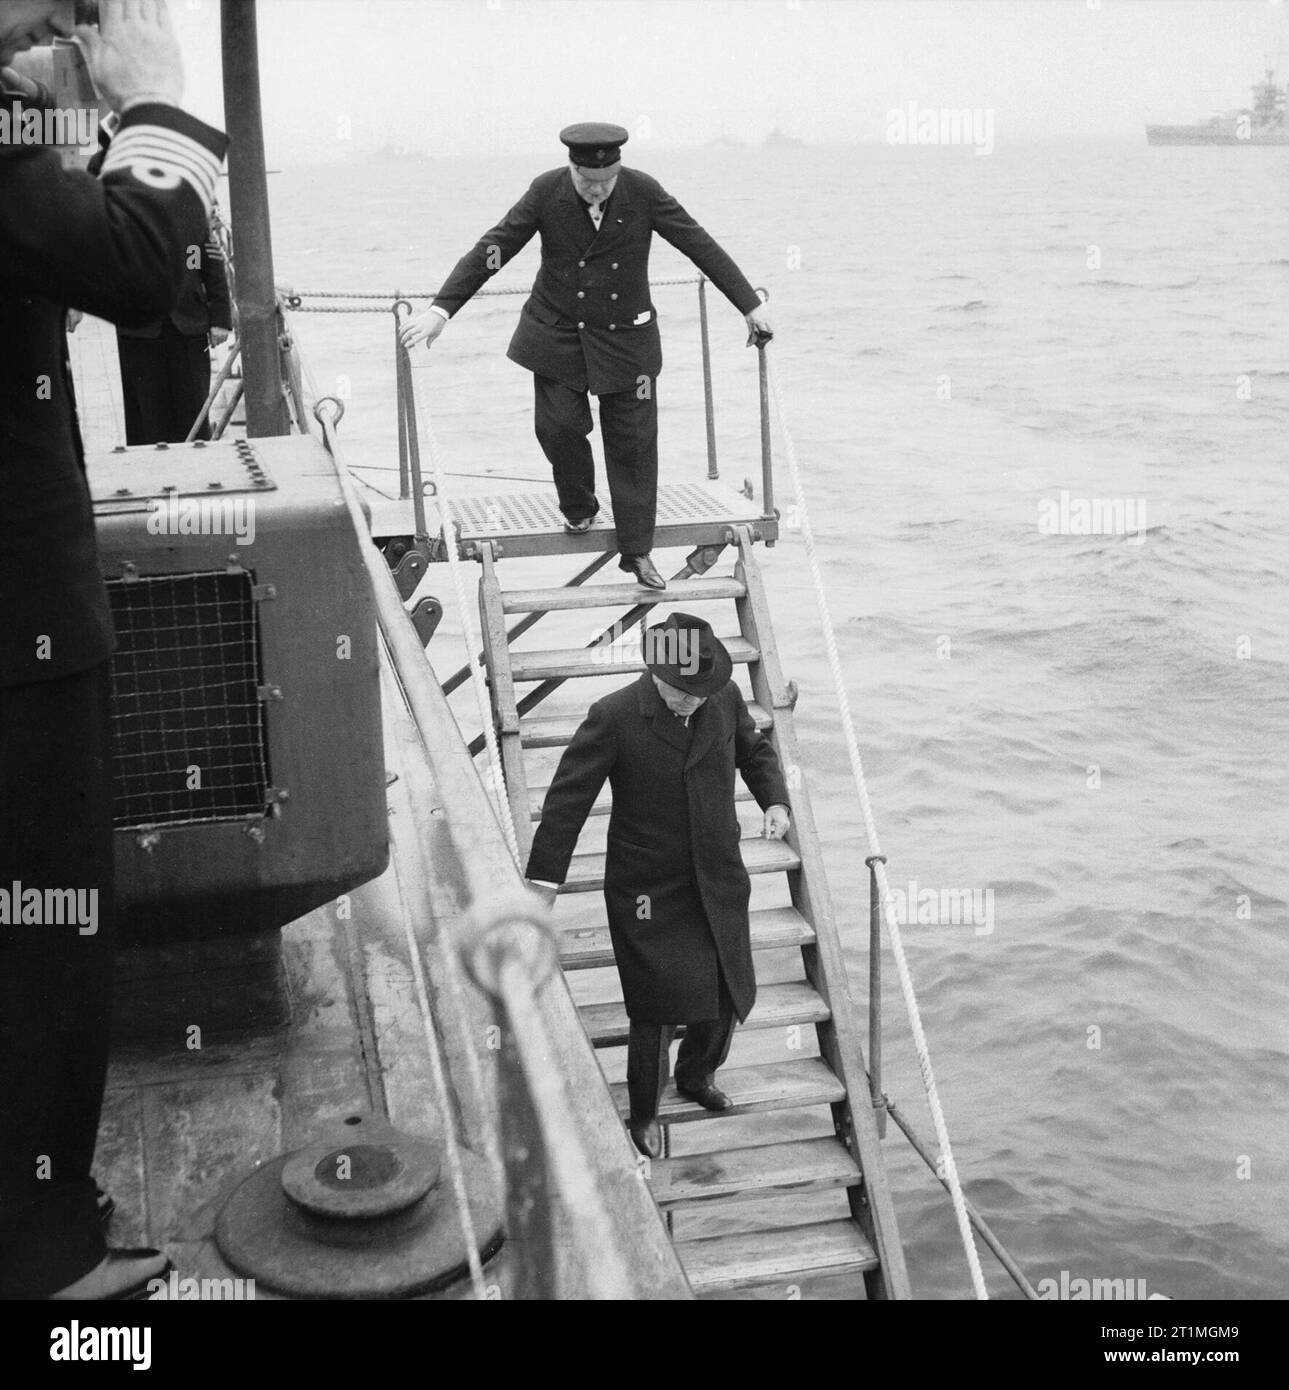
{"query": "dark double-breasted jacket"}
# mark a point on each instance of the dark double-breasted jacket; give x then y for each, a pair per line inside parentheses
(204, 298)
(675, 886)
(590, 322)
(115, 247)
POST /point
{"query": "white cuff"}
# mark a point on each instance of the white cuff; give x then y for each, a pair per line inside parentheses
(443, 313)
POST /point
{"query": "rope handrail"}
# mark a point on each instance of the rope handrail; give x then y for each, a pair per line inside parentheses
(875, 849)
(294, 296)
(978, 1221)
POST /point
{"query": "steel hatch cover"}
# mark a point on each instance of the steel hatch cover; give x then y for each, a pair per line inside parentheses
(127, 479)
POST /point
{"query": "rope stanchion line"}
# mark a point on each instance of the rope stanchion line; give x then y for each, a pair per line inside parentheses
(294, 299)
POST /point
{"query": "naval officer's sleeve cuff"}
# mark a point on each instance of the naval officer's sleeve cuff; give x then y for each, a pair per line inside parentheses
(163, 146)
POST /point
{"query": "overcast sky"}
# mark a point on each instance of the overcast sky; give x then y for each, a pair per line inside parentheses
(482, 76)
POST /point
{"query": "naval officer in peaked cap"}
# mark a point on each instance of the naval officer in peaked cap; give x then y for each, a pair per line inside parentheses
(589, 325)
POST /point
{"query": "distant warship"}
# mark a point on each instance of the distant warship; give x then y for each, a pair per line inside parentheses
(1262, 124)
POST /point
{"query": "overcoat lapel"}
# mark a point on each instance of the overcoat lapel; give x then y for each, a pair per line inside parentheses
(707, 725)
(659, 718)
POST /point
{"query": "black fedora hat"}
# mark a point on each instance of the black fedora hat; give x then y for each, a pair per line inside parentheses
(684, 652)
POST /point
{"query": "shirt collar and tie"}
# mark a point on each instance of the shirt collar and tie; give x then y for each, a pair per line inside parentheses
(596, 209)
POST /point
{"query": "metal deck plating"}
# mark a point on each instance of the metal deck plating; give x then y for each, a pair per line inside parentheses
(530, 523)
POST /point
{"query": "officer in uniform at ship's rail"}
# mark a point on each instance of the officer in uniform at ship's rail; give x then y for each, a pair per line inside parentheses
(590, 325)
(675, 887)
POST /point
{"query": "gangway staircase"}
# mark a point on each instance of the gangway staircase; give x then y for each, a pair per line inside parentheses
(862, 1242)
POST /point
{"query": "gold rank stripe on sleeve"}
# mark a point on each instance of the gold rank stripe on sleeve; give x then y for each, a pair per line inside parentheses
(161, 157)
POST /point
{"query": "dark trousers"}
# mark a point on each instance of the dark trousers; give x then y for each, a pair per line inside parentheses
(629, 427)
(164, 384)
(702, 1050)
(55, 983)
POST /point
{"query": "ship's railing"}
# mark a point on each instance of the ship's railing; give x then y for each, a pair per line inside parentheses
(579, 1217)
(412, 486)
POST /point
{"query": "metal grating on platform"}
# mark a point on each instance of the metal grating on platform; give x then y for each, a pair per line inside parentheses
(187, 721)
(530, 523)
(533, 513)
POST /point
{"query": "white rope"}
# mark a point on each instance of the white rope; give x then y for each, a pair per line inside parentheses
(870, 825)
(472, 643)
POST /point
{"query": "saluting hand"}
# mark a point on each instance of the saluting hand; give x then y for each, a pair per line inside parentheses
(134, 55)
(777, 821)
(422, 327)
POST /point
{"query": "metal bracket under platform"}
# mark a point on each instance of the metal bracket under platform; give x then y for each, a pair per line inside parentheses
(530, 523)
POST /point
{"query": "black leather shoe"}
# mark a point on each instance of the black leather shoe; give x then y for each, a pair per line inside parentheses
(709, 1097)
(581, 526)
(642, 567)
(647, 1137)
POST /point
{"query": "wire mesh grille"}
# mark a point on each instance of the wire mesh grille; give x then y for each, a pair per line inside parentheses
(187, 720)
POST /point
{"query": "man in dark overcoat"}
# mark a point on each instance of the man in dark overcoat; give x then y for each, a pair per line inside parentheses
(590, 324)
(675, 887)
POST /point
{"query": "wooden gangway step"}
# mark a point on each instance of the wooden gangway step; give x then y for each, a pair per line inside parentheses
(720, 1264)
(563, 663)
(774, 1086)
(759, 1170)
(618, 595)
(772, 929)
(557, 730)
(604, 802)
(760, 856)
(777, 1006)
